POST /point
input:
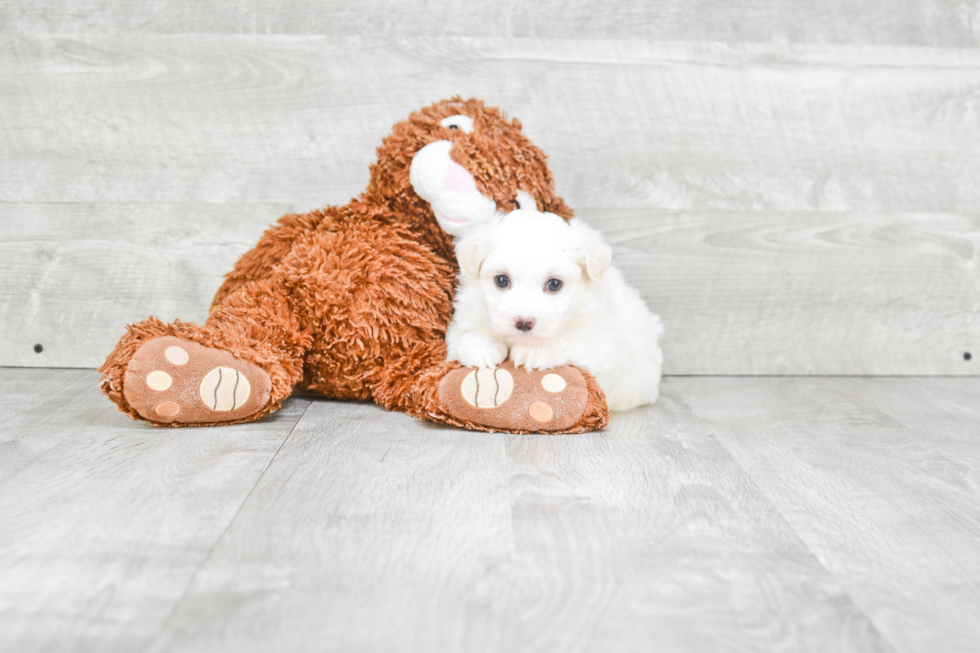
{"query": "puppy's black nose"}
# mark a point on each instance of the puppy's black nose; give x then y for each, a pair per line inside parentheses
(524, 323)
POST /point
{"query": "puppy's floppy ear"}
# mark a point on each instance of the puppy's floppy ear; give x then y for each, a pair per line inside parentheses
(471, 251)
(589, 249)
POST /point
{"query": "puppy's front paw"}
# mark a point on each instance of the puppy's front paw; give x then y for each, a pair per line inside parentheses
(481, 352)
(541, 357)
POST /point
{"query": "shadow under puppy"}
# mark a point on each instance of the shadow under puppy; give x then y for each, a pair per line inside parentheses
(543, 292)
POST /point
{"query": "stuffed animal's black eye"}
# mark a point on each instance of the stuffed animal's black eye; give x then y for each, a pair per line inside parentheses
(501, 280)
(458, 122)
(553, 285)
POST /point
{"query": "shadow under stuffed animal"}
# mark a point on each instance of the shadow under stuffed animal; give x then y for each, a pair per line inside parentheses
(353, 302)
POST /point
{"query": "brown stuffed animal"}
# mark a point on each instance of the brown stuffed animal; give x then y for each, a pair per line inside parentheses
(353, 302)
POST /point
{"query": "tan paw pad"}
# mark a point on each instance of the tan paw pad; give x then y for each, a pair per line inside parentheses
(158, 380)
(176, 355)
(553, 383)
(487, 388)
(224, 389)
(167, 409)
(541, 411)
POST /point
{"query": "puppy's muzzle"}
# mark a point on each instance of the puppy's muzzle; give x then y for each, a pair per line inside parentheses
(524, 323)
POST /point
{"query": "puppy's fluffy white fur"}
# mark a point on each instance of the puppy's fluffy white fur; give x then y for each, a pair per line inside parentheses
(543, 291)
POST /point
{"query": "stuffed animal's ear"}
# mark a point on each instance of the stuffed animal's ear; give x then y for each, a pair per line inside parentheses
(471, 251)
(589, 249)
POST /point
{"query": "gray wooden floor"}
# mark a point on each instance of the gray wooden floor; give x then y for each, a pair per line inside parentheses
(737, 514)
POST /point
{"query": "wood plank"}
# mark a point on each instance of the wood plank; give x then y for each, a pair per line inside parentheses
(740, 292)
(103, 521)
(805, 293)
(899, 22)
(774, 137)
(880, 479)
(664, 125)
(371, 532)
(75, 274)
(369, 524)
(28, 397)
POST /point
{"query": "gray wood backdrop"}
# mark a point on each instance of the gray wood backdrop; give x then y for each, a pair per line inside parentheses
(794, 184)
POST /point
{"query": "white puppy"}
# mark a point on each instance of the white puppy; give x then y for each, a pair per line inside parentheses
(542, 290)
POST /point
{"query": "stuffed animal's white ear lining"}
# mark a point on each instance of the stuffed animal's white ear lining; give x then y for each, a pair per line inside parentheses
(459, 121)
(526, 201)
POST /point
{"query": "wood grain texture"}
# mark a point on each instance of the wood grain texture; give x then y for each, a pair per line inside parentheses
(900, 22)
(736, 514)
(25, 396)
(205, 118)
(103, 521)
(880, 479)
(372, 532)
(805, 293)
(647, 537)
(75, 274)
(739, 292)
(812, 206)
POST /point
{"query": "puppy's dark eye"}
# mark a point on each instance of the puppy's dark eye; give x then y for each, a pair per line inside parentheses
(516, 204)
(454, 127)
(501, 280)
(553, 285)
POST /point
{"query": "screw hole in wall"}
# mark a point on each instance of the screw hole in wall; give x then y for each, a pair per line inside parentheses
(38, 348)
(967, 356)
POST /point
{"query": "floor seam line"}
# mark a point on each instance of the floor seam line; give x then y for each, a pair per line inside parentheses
(204, 561)
(857, 606)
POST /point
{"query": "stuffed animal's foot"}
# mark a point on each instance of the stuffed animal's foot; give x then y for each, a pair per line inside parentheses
(172, 380)
(508, 398)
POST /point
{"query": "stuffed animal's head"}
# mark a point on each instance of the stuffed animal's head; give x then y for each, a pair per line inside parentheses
(454, 164)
